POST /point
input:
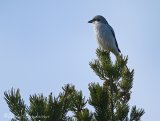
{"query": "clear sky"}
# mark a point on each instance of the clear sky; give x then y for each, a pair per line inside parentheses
(45, 44)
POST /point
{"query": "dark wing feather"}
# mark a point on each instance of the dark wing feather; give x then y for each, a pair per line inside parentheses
(114, 37)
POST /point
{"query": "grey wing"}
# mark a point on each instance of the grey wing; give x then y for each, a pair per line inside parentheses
(114, 37)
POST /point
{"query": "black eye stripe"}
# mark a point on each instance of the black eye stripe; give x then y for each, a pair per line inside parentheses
(97, 19)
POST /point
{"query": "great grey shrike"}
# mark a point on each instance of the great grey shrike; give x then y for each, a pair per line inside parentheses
(105, 35)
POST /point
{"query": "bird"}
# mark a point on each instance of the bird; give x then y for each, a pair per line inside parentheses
(105, 35)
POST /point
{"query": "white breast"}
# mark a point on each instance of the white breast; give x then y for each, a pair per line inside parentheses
(104, 36)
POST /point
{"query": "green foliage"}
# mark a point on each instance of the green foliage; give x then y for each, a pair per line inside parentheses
(100, 101)
(109, 100)
(16, 104)
(136, 114)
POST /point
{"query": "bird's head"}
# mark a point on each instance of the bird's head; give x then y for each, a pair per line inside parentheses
(98, 19)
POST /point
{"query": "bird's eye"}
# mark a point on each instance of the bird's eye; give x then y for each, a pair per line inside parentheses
(98, 19)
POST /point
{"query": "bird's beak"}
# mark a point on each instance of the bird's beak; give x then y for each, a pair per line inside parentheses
(90, 21)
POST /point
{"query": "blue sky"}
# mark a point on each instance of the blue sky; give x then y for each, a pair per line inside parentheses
(45, 44)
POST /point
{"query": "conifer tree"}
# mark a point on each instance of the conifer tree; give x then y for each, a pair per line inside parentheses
(110, 100)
